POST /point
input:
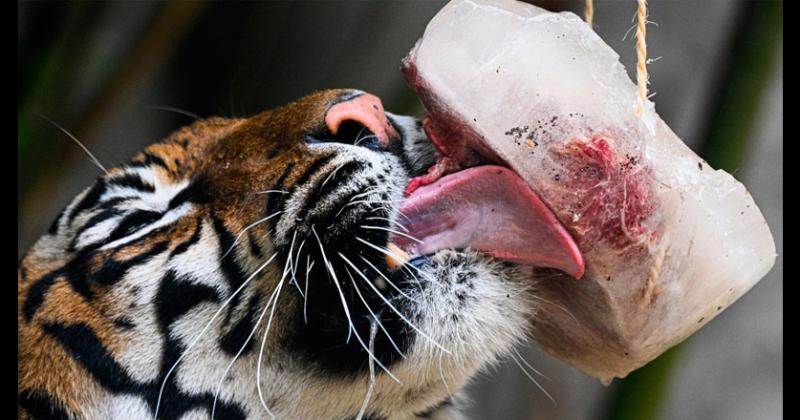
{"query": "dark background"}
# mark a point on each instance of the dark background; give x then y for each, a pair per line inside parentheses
(120, 75)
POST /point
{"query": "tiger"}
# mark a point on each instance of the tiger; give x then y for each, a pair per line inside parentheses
(238, 269)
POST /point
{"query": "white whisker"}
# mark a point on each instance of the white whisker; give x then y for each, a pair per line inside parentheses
(405, 235)
(371, 136)
(386, 219)
(332, 174)
(295, 265)
(356, 202)
(241, 349)
(529, 365)
(346, 309)
(359, 139)
(366, 192)
(539, 298)
(173, 109)
(64, 130)
(305, 295)
(272, 191)
(264, 341)
(533, 380)
(389, 304)
(248, 227)
(358, 135)
(207, 326)
(290, 263)
(375, 317)
(372, 334)
(396, 257)
(389, 281)
(401, 214)
(441, 375)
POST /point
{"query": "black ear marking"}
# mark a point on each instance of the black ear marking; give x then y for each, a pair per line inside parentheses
(53, 229)
(195, 192)
(149, 159)
(89, 200)
(132, 180)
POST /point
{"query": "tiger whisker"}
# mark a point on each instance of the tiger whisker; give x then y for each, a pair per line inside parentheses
(533, 380)
(441, 375)
(539, 298)
(81, 145)
(371, 201)
(290, 263)
(529, 365)
(295, 265)
(366, 192)
(358, 135)
(346, 205)
(264, 341)
(352, 325)
(386, 219)
(413, 238)
(246, 228)
(394, 286)
(402, 214)
(411, 273)
(360, 139)
(375, 317)
(241, 349)
(332, 272)
(389, 304)
(305, 296)
(332, 174)
(372, 334)
(389, 210)
(396, 257)
(207, 326)
(173, 109)
(353, 203)
(272, 191)
(371, 136)
(459, 343)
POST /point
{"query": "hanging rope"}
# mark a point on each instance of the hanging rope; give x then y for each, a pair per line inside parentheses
(641, 56)
(641, 48)
(588, 11)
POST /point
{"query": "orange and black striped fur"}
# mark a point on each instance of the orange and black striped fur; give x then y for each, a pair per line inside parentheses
(235, 269)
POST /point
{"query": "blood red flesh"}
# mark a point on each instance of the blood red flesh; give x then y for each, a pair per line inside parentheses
(602, 196)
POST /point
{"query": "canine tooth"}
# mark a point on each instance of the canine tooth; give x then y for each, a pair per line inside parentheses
(392, 260)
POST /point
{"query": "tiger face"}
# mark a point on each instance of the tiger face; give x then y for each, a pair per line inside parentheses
(238, 269)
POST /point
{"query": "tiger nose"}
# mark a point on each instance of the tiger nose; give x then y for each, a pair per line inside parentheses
(365, 109)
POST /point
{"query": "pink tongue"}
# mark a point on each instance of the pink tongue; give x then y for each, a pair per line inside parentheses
(491, 209)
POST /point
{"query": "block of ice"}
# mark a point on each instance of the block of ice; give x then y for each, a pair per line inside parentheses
(668, 241)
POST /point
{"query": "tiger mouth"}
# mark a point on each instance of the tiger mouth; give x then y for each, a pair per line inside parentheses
(469, 199)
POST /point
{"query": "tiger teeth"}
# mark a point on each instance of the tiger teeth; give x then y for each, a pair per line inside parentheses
(397, 256)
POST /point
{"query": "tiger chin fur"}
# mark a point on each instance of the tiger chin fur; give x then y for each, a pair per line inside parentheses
(210, 275)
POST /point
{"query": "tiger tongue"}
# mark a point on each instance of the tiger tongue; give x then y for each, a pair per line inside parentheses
(491, 209)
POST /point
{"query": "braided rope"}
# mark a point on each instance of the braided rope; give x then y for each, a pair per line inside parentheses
(641, 56)
(588, 11)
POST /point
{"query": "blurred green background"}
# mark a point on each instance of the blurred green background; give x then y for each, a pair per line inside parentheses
(120, 75)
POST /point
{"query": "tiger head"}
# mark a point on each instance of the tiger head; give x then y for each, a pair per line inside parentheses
(238, 269)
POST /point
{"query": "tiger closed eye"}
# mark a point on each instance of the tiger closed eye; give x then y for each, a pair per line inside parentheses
(133, 223)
